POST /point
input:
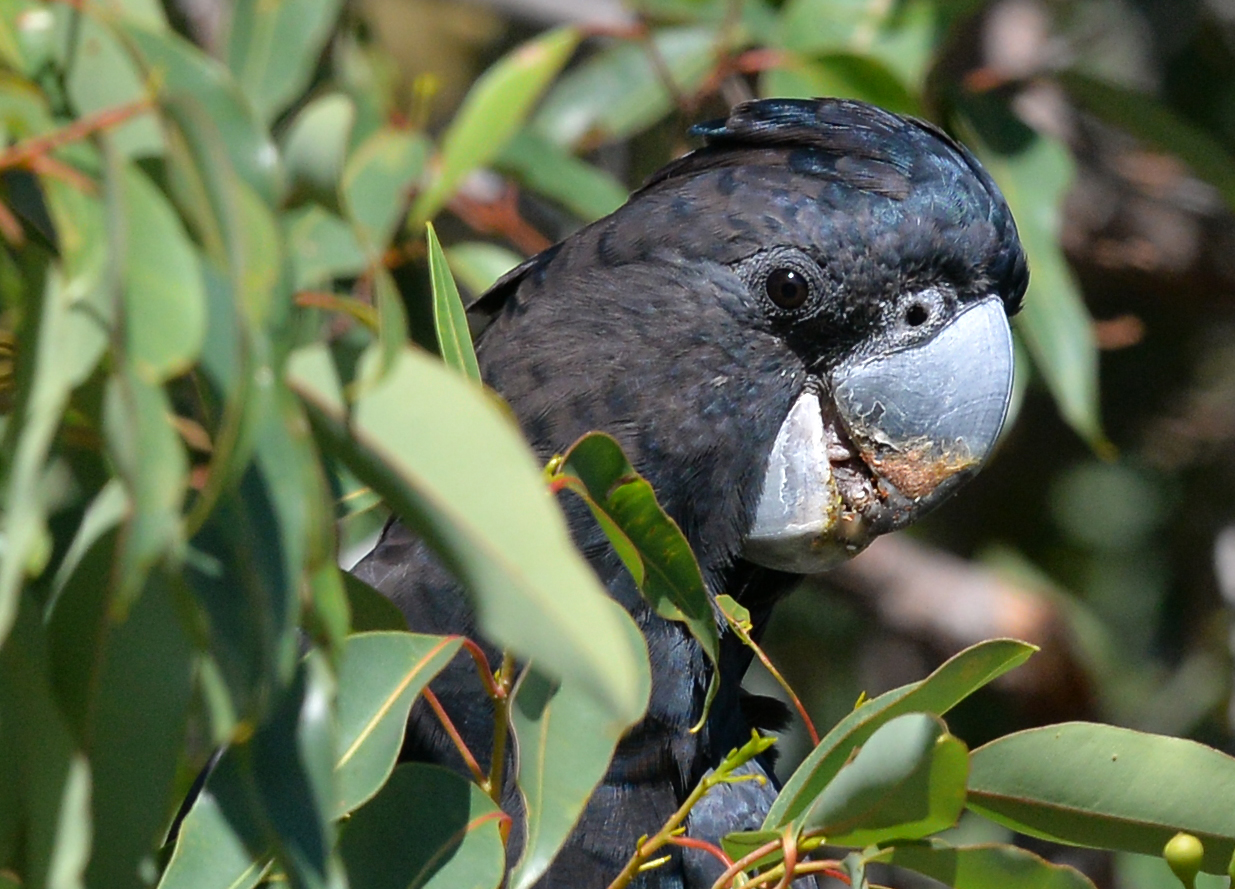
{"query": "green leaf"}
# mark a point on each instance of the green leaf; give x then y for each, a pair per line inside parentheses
(898, 38)
(619, 92)
(377, 183)
(814, 26)
(139, 714)
(565, 742)
(955, 680)
(315, 147)
(478, 264)
(371, 611)
(1158, 127)
(456, 470)
(322, 247)
(380, 676)
(188, 77)
(274, 47)
(69, 324)
(154, 468)
(209, 854)
(52, 786)
(843, 75)
(237, 570)
(907, 781)
(982, 866)
(164, 299)
(1108, 788)
(649, 542)
(1054, 322)
(391, 332)
(546, 169)
(398, 842)
(492, 112)
(103, 76)
(276, 789)
(454, 340)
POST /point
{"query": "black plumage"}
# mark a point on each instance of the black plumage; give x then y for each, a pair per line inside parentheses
(660, 326)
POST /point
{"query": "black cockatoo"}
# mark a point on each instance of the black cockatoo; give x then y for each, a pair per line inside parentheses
(799, 334)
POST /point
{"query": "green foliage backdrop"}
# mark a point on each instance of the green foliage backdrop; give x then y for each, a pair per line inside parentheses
(231, 347)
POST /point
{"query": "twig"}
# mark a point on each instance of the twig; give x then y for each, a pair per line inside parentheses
(501, 727)
(449, 727)
(711, 848)
(482, 667)
(27, 151)
(500, 217)
(776, 674)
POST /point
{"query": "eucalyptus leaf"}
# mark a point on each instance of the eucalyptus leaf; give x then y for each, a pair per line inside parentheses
(1108, 788)
(649, 542)
(455, 469)
(546, 169)
(477, 264)
(208, 853)
(102, 77)
(565, 742)
(493, 111)
(619, 91)
(322, 247)
(906, 782)
(955, 680)
(981, 866)
(315, 147)
(454, 340)
(1054, 323)
(164, 298)
(398, 842)
(377, 184)
(185, 75)
(273, 48)
(379, 677)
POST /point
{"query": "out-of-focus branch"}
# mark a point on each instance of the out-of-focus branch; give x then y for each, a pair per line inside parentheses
(949, 603)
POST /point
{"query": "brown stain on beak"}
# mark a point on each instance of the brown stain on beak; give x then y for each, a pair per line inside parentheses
(919, 468)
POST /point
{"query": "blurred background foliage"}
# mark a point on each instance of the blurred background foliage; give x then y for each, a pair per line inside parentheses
(1104, 528)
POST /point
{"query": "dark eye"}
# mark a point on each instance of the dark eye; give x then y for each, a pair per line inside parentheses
(787, 288)
(917, 315)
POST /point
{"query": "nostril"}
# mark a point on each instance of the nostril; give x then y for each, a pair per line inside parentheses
(917, 315)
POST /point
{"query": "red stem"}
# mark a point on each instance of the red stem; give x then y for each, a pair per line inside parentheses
(711, 848)
(449, 727)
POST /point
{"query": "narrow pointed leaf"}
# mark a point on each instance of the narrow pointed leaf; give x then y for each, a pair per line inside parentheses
(1142, 116)
(982, 866)
(1108, 788)
(492, 112)
(454, 340)
(1054, 322)
(380, 676)
(954, 681)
